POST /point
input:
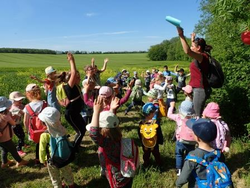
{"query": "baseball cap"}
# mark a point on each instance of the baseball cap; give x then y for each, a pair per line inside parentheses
(107, 119)
(188, 89)
(30, 87)
(4, 103)
(138, 82)
(105, 91)
(111, 80)
(16, 96)
(49, 70)
(148, 108)
(203, 128)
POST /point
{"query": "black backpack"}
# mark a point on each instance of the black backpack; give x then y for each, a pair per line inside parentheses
(215, 76)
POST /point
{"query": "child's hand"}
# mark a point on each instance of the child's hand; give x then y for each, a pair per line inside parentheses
(70, 57)
(106, 60)
(92, 61)
(98, 104)
(33, 77)
(114, 104)
(172, 104)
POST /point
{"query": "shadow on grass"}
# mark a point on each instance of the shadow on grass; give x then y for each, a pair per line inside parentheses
(100, 182)
(9, 176)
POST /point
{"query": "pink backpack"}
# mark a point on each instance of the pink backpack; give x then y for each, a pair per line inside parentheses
(186, 134)
(223, 138)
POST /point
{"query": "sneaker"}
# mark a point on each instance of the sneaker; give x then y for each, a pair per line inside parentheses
(21, 153)
(178, 172)
(22, 163)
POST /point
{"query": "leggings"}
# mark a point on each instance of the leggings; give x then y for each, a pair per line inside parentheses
(18, 130)
(6, 147)
(77, 122)
(199, 99)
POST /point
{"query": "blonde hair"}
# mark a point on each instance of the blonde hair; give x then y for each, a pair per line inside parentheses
(114, 133)
(35, 93)
(159, 77)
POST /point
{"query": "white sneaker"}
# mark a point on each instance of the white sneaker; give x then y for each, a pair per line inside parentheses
(178, 172)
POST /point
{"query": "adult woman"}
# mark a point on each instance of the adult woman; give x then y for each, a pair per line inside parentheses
(198, 69)
(73, 109)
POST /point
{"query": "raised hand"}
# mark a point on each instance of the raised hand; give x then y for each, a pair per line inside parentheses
(114, 104)
(70, 57)
(98, 104)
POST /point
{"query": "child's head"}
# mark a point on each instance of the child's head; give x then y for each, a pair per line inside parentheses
(159, 79)
(50, 73)
(16, 97)
(138, 82)
(5, 104)
(148, 110)
(148, 72)
(188, 91)
(33, 92)
(212, 111)
(165, 68)
(109, 124)
(107, 93)
(181, 71)
(204, 129)
(152, 95)
(169, 79)
(89, 70)
(186, 108)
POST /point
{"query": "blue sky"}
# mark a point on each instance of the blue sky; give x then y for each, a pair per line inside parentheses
(93, 25)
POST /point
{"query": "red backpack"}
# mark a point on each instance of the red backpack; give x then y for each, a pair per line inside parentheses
(36, 127)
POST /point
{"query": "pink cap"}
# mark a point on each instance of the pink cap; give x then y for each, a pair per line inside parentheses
(106, 91)
(188, 89)
(212, 110)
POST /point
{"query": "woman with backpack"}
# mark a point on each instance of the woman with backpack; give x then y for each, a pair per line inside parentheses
(198, 69)
(105, 132)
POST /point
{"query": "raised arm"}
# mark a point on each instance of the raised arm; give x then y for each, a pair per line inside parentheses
(37, 79)
(72, 79)
(186, 47)
(104, 65)
(93, 62)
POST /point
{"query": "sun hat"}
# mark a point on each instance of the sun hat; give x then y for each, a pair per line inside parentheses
(186, 108)
(107, 119)
(51, 117)
(147, 71)
(148, 108)
(106, 91)
(16, 96)
(4, 103)
(124, 70)
(212, 110)
(49, 70)
(188, 89)
(152, 93)
(169, 77)
(30, 87)
(203, 128)
(138, 82)
(111, 80)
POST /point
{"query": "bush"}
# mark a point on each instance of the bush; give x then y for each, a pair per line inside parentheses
(157, 53)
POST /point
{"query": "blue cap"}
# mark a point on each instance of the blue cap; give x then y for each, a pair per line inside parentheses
(205, 129)
(148, 108)
(111, 80)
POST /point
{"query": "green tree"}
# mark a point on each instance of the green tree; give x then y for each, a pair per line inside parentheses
(157, 53)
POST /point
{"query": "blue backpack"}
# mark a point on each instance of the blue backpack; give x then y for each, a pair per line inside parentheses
(218, 175)
(62, 151)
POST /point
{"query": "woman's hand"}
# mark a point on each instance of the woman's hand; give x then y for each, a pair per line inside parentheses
(180, 31)
(193, 37)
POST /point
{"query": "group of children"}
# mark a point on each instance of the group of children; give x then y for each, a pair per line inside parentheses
(97, 106)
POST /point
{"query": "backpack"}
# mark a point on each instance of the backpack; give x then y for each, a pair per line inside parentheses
(35, 125)
(63, 151)
(129, 158)
(223, 138)
(218, 175)
(137, 94)
(149, 135)
(186, 134)
(62, 97)
(215, 76)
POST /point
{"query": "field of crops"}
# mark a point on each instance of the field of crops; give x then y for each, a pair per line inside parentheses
(14, 75)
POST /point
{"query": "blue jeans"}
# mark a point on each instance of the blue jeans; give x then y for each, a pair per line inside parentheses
(181, 150)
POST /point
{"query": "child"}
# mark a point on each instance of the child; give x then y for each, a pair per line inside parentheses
(147, 78)
(170, 90)
(204, 132)
(33, 94)
(50, 86)
(105, 132)
(137, 93)
(150, 112)
(157, 86)
(188, 92)
(180, 78)
(223, 138)
(184, 138)
(51, 118)
(6, 143)
(97, 72)
(17, 114)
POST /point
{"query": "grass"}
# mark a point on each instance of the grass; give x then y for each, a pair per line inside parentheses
(86, 166)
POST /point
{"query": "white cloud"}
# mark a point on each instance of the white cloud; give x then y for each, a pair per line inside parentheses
(91, 14)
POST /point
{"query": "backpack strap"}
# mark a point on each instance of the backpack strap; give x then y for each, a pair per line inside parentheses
(29, 109)
(215, 155)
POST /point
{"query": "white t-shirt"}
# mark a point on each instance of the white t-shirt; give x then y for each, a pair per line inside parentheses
(160, 90)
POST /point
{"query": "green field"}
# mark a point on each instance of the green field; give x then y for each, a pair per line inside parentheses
(14, 75)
